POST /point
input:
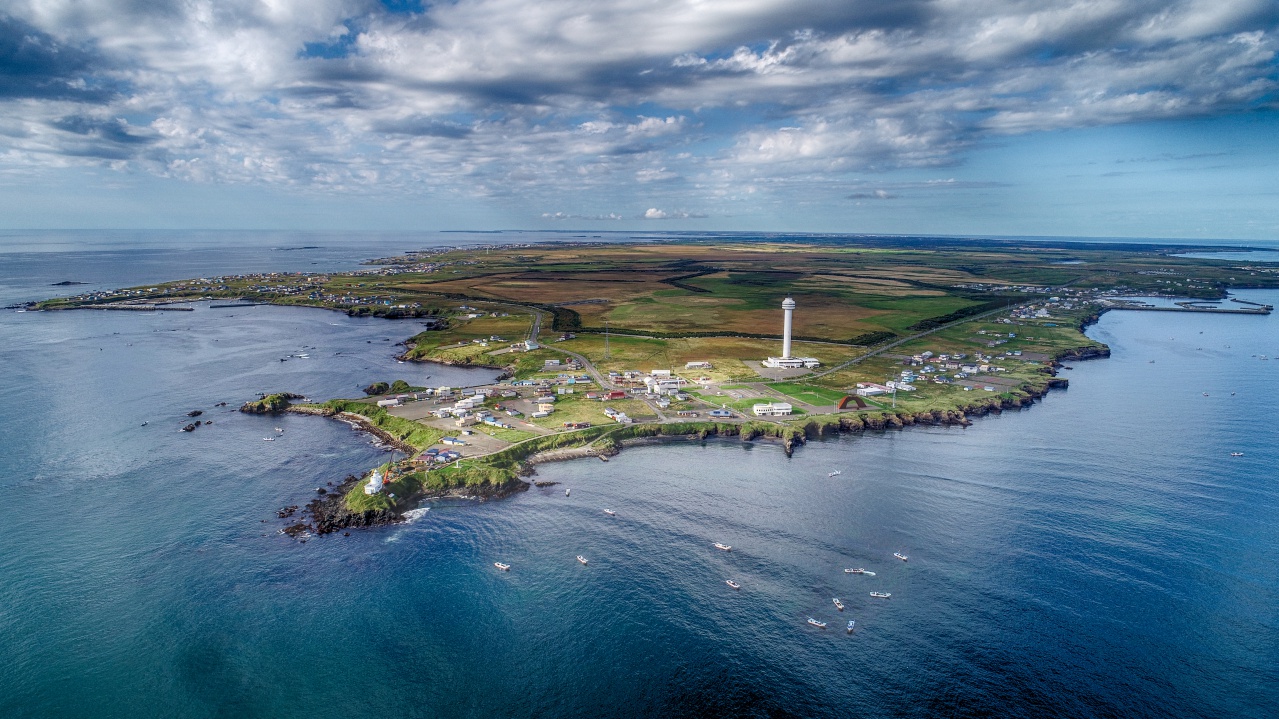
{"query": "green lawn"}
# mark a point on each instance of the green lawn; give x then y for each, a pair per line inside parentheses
(811, 394)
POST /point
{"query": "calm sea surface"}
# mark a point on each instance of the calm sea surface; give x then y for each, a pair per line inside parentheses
(1099, 554)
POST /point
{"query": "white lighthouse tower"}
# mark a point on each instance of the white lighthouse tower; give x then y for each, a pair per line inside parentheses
(788, 308)
(786, 361)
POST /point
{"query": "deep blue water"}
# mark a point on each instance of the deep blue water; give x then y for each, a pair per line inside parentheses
(1099, 554)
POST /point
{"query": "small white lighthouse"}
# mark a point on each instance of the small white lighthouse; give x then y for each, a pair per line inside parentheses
(788, 308)
(375, 482)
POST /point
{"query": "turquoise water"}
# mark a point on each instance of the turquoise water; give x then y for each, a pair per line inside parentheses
(1099, 554)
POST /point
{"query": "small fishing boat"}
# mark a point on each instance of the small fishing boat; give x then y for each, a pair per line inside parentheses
(145, 424)
(851, 623)
(725, 547)
(836, 473)
(565, 492)
(1236, 454)
(610, 513)
(900, 556)
(503, 567)
(268, 439)
(1205, 394)
(838, 604)
(814, 622)
(732, 584)
(277, 429)
(881, 595)
(581, 559)
(858, 570)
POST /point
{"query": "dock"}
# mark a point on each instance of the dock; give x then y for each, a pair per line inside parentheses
(1193, 306)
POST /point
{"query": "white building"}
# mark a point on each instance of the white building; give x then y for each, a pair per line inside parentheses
(786, 361)
(375, 483)
(772, 409)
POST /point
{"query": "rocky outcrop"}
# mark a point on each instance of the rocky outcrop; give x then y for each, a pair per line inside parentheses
(270, 404)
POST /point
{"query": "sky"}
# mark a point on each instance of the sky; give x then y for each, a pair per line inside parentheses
(1139, 118)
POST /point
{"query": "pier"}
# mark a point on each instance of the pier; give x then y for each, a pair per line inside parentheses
(1193, 306)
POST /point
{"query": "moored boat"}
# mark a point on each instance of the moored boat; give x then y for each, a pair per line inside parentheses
(503, 567)
(814, 622)
(881, 595)
(268, 439)
(725, 547)
(1236, 454)
(838, 604)
(732, 584)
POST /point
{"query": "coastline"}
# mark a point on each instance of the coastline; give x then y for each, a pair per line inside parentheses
(330, 513)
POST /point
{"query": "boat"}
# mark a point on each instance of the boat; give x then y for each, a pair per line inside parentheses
(565, 492)
(814, 622)
(1236, 454)
(268, 439)
(145, 424)
(503, 567)
(900, 556)
(838, 604)
(581, 559)
(881, 595)
(836, 473)
(610, 513)
(725, 547)
(277, 429)
(732, 584)
(859, 570)
(851, 622)
(1205, 394)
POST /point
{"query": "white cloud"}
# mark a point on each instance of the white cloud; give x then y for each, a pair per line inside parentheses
(507, 98)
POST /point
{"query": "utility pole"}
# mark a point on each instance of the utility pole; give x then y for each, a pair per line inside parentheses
(606, 339)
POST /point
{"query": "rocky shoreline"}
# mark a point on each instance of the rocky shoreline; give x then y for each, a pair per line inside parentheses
(329, 512)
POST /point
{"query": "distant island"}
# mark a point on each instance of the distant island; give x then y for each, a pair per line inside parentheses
(603, 344)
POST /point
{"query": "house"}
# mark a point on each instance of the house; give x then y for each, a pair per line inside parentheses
(539, 415)
(660, 373)
(615, 394)
(530, 345)
(622, 418)
(720, 413)
(545, 408)
(451, 440)
(870, 389)
(551, 363)
(388, 403)
(791, 362)
(686, 413)
(697, 365)
(772, 409)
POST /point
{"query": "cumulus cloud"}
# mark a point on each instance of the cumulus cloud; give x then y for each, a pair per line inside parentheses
(542, 101)
(654, 213)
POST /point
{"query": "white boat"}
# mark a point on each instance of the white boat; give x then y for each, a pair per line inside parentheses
(610, 513)
(859, 570)
(814, 622)
(838, 604)
(725, 547)
(268, 439)
(277, 429)
(581, 559)
(503, 567)
(881, 595)
(900, 556)
(836, 473)
(1205, 394)
(565, 492)
(851, 622)
(732, 584)
(1236, 454)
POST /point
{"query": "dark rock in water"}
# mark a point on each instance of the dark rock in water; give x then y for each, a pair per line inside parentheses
(195, 413)
(67, 283)
(294, 530)
(189, 428)
(377, 388)
(346, 534)
(321, 490)
(545, 484)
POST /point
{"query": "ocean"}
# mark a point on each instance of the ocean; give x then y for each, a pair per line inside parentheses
(1099, 554)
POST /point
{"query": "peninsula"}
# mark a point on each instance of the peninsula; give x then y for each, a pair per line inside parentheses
(607, 343)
